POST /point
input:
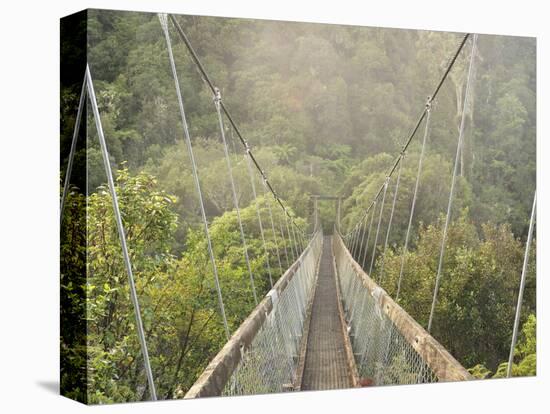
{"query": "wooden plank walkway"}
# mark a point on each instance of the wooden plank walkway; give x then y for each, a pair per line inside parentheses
(325, 365)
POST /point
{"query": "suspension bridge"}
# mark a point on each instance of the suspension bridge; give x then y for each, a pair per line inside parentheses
(326, 323)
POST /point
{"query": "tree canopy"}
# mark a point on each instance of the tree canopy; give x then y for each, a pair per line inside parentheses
(326, 109)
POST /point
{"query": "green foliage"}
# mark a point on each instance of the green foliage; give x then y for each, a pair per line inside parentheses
(479, 371)
(323, 99)
(326, 109)
(72, 298)
(176, 294)
(525, 354)
(476, 302)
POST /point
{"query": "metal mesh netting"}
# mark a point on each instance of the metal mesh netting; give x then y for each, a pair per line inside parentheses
(269, 364)
(382, 353)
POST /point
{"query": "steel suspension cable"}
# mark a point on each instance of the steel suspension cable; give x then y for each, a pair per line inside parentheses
(296, 246)
(390, 221)
(257, 205)
(378, 227)
(360, 236)
(361, 247)
(272, 222)
(357, 239)
(275, 240)
(423, 114)
(300, 238)
(522, 287)
(122, 235)
(292, 238)
(283, 239)
(210, 84)
(73, 149)
(453, 180)
(164, 24)
(355, 236)
(368, 236)
(217, 103)
(303, 241)
(411, 215)
(291, 244)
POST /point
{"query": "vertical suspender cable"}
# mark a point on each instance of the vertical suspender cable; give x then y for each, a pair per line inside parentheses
(362, 246)
(292, 236)
(350, 236)
(257, 205)
(209, 83)
(301, 240)
(73, 149)
(359, 238)
(338, 212)
(217, 102)
(418, 173)
(378, 227)
(292, 246)
(423, 113)
(121, 234)
(453, 180)
(289, 238)
(296, 245)
(164, 25)
(522, 287)
(354, 237)
(270, 211)
(368, 234)
(391, 218)
(281, 230)
(275, 239)
(353, 241)
(272, 222)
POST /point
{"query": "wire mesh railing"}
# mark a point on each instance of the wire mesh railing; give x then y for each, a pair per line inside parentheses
(262, 355)
(389, 346)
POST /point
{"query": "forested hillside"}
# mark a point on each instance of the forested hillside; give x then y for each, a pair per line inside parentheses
(326, 109)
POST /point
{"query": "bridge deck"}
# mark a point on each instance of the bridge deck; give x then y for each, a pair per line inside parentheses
(325, 361)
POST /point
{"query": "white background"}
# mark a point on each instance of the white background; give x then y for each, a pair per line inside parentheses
(29, 134)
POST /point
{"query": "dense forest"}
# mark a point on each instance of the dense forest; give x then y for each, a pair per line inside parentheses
(326, 109)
